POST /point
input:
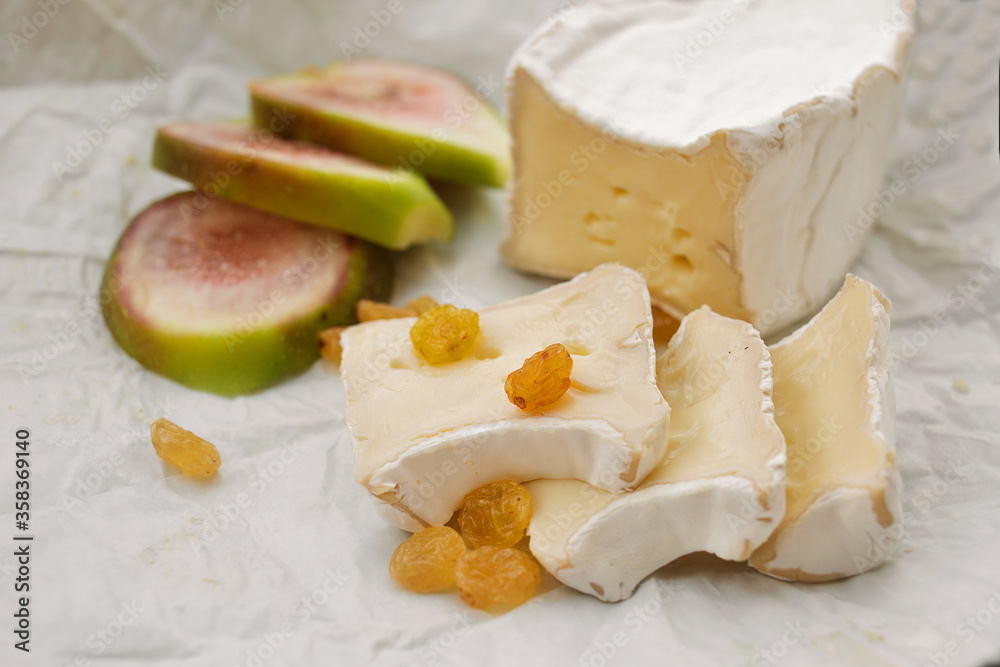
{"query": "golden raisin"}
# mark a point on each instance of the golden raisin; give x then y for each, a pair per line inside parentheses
(496, 575)
(445, 334)
(495, 515)
(368, 310)
(426, 561)
(329, 341)
(184, 449)
(422, 304)
(542, 380)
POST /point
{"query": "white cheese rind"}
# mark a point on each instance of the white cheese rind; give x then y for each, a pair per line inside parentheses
(818, 547)
(425, 436)
(788, 111)
(432, 479)
(628, 65)
(846, 528)
(721, 490)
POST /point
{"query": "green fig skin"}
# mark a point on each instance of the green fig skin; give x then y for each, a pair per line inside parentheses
(428, 152)
(246, 359)
(392, 208)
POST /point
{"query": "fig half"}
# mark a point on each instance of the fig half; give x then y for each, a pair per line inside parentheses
(229, 299)
(391, 207)
(393, 113)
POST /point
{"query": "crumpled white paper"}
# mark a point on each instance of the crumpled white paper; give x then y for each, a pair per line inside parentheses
(281, 560)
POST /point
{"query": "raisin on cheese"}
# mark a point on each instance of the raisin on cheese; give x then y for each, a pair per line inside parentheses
(426, 435)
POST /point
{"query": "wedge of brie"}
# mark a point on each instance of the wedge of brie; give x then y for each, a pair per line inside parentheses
(835, 404)
(729, 151)
(425, 436)
(720, 490)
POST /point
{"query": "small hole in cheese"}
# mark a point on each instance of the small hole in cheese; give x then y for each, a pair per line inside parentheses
(681, 264)
(680, 234)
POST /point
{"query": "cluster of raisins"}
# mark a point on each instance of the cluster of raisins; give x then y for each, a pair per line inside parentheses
(366, 311)
(492, 519)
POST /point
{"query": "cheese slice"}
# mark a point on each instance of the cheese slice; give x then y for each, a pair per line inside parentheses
(729, 151)
(425, 436)
(721, 488)
(835, 404)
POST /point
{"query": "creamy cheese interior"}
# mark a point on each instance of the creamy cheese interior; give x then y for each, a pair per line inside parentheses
(573, 212)
(719, 390)
(719, 490)
(822, 407)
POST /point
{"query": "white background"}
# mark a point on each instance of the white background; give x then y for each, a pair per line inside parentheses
(116, 529)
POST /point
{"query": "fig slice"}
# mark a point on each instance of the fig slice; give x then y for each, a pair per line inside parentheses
(394, 208)
(393, 113)
(229, 299)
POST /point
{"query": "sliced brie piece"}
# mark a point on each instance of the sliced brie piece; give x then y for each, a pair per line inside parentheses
(720, 490)
(425, 436)
(726, 150)
(835, 404)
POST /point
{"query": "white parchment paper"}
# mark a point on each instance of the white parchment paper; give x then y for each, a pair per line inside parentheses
(281, 560)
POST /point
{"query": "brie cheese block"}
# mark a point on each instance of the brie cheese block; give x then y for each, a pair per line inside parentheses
(834, 402)
(425, 436)
(729, 151)
(721, 488)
